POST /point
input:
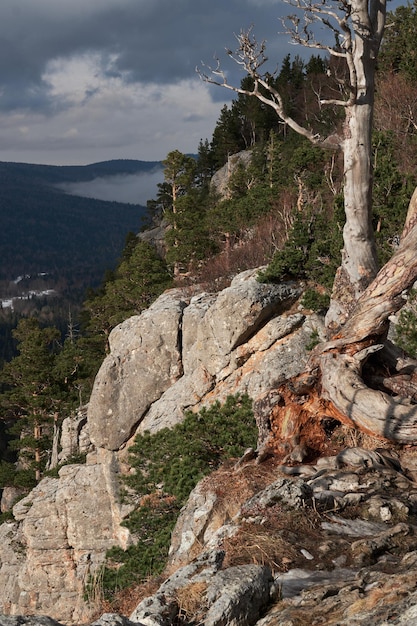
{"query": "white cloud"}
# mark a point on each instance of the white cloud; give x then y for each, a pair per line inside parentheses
(89, 80)
(111, 116)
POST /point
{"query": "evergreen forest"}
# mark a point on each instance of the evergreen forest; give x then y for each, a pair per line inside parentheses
(54, 244)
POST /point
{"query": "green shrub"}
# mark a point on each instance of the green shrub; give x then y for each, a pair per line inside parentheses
(314, 340)
(168, 465)
(312, 250)
(316, 301)
(406, 329)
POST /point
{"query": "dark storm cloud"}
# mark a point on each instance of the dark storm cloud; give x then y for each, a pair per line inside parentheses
(88, 80)
(154, 40)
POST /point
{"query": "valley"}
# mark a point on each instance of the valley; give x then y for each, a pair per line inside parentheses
(55, 244)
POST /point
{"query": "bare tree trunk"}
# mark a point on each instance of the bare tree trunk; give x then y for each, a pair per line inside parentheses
(388, 412)
(359, 258)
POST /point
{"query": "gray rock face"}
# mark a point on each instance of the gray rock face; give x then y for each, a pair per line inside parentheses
(239, 341)
(234, 596)
(181, 354)
(144, 361)
(220, 180)
(62, 531)
(74, 438)
(235, 316)
(238, 595)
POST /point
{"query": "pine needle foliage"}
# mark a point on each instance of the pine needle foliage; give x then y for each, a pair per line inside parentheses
(406, 329)
(176, 459)
(168, 465)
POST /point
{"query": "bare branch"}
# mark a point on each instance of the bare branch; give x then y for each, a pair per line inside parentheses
(338, 23)
(250, 56)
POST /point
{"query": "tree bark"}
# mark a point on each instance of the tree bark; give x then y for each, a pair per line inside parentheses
(342, 359)
(359, 258)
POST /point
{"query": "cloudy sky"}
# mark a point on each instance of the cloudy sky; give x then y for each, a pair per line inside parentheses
(89, 80)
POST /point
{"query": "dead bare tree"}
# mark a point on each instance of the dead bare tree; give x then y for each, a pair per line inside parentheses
(358, 28)
(363, 299)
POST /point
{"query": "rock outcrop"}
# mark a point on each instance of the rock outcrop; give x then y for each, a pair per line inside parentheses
(340, 537)
(331, 542)
(181, 353)
(144, 361)
(59, 539)
(221, 179)
(185, 352)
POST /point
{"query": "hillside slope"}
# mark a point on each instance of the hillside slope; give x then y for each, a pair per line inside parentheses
(45, 229)
(325, 535)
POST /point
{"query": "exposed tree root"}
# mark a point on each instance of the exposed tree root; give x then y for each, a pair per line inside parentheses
(372, 410)
(357, 377)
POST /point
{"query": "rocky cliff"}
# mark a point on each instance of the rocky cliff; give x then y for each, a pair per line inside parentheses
(258, 543)
(182, 352)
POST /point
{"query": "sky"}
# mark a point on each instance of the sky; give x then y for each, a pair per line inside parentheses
(83, 81)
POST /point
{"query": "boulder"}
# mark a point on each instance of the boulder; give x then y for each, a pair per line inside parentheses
(235, 596)
(238, 595)
(202, 516)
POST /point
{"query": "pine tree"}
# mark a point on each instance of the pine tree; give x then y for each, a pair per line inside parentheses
(399, 48)
(31, 397)
(140, 278)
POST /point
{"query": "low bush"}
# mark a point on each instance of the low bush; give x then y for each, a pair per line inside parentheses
(167, 466)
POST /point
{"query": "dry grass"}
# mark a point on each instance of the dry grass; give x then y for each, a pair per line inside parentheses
(191, 601)
(352, 438)
(255, 545)
(246, 480)
(126, 600)
(275, 536)
(94, 592)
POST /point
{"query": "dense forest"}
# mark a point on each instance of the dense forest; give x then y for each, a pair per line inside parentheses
(282, 208)
(45, 229)
(57, 244)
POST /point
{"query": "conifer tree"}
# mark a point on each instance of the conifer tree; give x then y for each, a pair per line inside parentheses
(139, 279)
(399, 51)
(31, 397)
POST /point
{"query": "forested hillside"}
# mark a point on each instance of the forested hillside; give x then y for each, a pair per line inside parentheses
(47, 230)
(57, 244)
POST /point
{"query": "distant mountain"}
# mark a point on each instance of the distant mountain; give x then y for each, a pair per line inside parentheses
(44, 229)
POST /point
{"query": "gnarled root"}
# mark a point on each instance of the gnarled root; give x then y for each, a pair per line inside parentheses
(374, 411)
